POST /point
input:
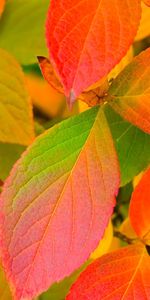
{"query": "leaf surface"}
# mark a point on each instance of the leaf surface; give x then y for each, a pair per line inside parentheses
(16, 124)
(132, 146)
(57, 202)
(22, 29)
(86, 39)
(140, 208)
(147, 2)
(144, 28)
(130, 92)
(120, 275)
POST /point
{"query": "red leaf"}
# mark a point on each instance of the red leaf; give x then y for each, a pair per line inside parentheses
(120, 275)
(140, 208)
(86, 39)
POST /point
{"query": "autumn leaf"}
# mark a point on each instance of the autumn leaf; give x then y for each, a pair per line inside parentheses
(16, 124)
(2, 3)
(132, 145)
(147, 2)
(92, 96)
(57, 202)
(140, 208)
(85, 46)
(123, 274)
(130, 92)
(144, 28)
(105, 243)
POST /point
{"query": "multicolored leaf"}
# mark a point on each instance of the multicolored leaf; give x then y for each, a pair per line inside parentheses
(132, 146)
(86, 39)
(140, 208)
(22, 29)
(130, 92)
(120, 275)
(57, 202)
(16, 124)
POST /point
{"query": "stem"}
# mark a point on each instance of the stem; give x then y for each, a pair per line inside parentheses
(124, 238)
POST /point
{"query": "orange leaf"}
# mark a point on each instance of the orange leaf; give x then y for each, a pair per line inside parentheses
(49, 74)
(130, 92)
(86, 39)
(2, 3)
(120, 275)
(140, 208)
(147, 2)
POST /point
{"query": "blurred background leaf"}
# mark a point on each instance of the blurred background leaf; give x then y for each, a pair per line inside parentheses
(22, 29)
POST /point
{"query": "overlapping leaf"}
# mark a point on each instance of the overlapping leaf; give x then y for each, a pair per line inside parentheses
(57, 202)
(16, 124)
(120, 275)
(144, 28)
(132, 146)
(86, 39)
(140, 208)
(131, 92)
(147, 2)
(22, 29)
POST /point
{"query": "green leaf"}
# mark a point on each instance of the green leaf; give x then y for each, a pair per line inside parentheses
(9, 154)
(22, 29)
(132, 145)
(16, 124)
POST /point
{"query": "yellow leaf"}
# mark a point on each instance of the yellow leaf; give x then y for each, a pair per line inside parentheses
(123, 63)
(136, 179)
(16, 124)
(104, 244)
(144, 28)
(127, 229)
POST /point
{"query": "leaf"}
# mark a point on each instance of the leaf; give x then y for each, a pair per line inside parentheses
(120, 275)
(105, 243)
(25, 40)
(147, 2)
(85, 46)
(59, 291)
(57, 202)
(144, 28)
(140, 208)
(130, 92)
(92, 96)
(15, 108)
(5, 293)
(9, 154)
(123, 63)
(132, 146)
(49, 74)
(2, 3)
